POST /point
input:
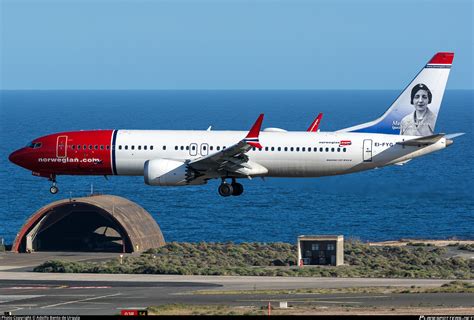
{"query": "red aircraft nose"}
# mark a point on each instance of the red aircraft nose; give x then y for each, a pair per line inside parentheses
(18, 157)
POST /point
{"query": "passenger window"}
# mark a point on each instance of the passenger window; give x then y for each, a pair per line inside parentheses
(187, 147)
(73, 146)
(211, 148)
(204, 147)
(164, 147)
(85, 147)
(344, 150)
(279, 148)
(223, 147)
(107, 147)
(338, 149)
(145, 147)
(286, 148)
(291, 149)
(332, 149)
(266, 148)
(126, 147)
(218, 148)
(320, 149)
(297, 149)
(78, 147)
(303, 149)
(327, 149)
(120, 147)
(101, 147)
(182, 147)
(273, 149)
(193, 148)
(133, 147)
(176, 147)
(96, 147)
(315, 149)
(151, 147)
(139, 147)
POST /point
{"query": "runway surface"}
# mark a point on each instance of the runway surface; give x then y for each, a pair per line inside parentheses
(30, 293)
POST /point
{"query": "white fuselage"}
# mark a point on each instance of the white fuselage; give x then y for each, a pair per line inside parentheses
(284, 154)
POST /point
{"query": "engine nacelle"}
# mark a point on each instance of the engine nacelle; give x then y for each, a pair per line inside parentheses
(164, 172)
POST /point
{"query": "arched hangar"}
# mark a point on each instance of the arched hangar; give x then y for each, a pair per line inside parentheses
(100, 223)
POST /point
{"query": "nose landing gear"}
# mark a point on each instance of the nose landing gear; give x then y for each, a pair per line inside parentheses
(234, 189)
(54, 189)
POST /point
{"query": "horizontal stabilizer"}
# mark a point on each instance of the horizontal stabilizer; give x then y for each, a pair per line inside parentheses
(423, 140)
(454, 135)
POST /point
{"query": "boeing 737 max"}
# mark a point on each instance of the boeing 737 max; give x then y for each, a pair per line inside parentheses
(177, 158)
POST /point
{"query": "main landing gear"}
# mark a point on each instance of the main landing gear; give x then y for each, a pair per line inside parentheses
(54, 189)
(233, 189)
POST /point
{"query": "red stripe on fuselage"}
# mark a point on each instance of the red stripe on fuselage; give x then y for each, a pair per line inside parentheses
(85, 153)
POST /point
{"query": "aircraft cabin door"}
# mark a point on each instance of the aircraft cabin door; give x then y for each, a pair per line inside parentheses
(204, 149)
(367, 150)
(61, 147)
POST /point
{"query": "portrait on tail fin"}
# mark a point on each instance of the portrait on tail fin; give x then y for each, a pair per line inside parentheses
(420, 122)
(415, 111)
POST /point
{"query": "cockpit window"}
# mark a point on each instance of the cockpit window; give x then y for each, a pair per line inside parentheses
(34, 145)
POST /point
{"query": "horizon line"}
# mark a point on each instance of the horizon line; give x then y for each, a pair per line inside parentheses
(332, 89)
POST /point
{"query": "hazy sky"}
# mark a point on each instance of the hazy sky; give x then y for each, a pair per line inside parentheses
(109, 44)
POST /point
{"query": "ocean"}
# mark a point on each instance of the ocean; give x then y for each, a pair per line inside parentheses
(430, 197)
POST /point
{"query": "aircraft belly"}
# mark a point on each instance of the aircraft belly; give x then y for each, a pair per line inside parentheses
(305, 168)
(130, 166)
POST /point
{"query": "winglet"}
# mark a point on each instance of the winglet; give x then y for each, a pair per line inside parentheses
(252, 136)
(315, 125)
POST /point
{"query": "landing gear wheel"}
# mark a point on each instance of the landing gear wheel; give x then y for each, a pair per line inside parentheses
(238, 189)
(225, 189)
(53, 189)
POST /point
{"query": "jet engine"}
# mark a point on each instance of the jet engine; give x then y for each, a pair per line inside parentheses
(164, 172)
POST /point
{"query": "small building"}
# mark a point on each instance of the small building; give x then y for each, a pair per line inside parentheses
(321, 250)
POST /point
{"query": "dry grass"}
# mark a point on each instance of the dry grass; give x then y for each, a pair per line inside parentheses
(452, 287)
(183, 309)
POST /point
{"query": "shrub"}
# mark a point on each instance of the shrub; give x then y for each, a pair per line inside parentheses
(275, 259)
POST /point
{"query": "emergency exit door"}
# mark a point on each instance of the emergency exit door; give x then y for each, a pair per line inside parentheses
(367, 150)
(61, 147)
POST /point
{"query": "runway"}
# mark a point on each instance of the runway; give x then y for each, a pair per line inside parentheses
(107, 294)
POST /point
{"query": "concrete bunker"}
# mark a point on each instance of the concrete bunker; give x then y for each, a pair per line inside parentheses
(101, 223)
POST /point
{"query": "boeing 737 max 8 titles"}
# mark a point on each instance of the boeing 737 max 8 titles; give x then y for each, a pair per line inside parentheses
(178, 158)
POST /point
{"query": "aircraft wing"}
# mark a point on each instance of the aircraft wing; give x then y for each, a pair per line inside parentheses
(233, 160)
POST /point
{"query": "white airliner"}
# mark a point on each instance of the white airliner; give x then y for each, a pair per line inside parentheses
(178, 158)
